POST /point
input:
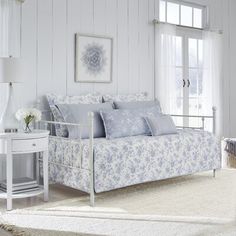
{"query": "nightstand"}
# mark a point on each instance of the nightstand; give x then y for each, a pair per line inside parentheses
(12, 144)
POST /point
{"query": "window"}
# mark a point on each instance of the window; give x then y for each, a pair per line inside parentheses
(194, 73)
(188, 77)
(188, 96)
(185, 14)
(172, 13)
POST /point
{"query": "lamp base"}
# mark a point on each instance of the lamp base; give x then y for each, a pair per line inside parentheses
(8, 121)
(10, 130)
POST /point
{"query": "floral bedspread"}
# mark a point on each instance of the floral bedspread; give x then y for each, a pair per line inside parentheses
(132, 160)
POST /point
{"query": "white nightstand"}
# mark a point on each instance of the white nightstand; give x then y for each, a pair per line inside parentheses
(22, 143)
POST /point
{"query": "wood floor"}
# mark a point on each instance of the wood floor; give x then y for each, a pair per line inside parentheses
(57, 193)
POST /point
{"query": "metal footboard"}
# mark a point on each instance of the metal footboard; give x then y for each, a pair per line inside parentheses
(203, 118)
(49, 125)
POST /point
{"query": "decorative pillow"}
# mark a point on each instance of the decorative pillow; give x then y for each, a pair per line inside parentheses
(78, 113)
(53, 100)
(135, 105)
(161, 125)
(125, 97)
(123, 123)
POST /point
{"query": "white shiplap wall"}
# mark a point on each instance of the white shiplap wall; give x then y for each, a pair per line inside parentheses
(230, 67)
(226, 19)
(49, 28)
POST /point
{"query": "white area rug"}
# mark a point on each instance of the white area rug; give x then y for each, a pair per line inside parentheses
(192, 205)
(103, 226)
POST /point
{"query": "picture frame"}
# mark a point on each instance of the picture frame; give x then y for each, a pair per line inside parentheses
(93, 58)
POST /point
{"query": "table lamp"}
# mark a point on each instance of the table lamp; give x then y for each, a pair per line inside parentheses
(9, 74)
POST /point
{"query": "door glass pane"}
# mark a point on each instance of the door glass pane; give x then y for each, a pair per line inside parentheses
(197, 18)
(192, 52)
(193, 106)
(162, 13)
(200, 106)
(178, 99)
(186, 16)
(177, 104)
(193, 86)
(179, 52)
(172, 13)
(179, 82)
(195, 96)
(178, 109)
(200, 53)
(200, 82)
(193, 110)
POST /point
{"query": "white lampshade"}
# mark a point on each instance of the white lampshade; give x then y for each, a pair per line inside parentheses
(10, 70)
(10, 28)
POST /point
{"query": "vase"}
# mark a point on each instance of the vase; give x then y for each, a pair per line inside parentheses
(27, 128)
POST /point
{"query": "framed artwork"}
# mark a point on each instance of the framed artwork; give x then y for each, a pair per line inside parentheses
(93, 59)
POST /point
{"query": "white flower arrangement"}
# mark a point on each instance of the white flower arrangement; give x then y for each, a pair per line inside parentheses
(28, 115)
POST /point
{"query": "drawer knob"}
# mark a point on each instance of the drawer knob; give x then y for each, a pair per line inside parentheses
(34, 144)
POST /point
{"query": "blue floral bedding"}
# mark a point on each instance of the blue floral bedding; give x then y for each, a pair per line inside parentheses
(132, 160)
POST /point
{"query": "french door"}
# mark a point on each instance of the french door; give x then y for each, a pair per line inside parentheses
(188, 99)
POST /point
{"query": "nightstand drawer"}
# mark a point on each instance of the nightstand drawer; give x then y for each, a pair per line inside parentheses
(29, 145)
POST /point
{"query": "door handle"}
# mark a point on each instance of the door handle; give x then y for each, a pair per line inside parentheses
(188, 83)
(184, 83)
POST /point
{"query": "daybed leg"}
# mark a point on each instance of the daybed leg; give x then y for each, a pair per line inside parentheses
(214, 173)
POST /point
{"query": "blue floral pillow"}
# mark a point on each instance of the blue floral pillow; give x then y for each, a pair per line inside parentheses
(124, 123)
(54, 100)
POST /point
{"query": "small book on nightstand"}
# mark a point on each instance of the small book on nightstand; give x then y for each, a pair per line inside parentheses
(21, 185)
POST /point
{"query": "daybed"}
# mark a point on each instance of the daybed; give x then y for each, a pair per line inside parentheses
(96, 165)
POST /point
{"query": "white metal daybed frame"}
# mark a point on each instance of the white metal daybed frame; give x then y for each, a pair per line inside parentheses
(90, 125)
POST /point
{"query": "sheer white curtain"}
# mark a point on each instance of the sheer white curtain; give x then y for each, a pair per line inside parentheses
(165, 59)
(212, 76)
(10, 20)
(4, 27)
(3, 93)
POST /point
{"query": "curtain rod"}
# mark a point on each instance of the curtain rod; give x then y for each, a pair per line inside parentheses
(155, 21)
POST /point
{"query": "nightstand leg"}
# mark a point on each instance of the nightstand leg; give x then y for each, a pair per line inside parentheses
(45, 175)
(37, 171)
(9, 176)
